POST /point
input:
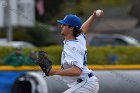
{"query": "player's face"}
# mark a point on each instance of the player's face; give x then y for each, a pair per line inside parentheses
(66, 30)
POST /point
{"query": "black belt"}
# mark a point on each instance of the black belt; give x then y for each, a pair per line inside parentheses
(89, 75)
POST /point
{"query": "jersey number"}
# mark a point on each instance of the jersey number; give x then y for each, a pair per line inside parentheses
(85, 59)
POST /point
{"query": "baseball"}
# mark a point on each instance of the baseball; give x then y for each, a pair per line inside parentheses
(98, 12)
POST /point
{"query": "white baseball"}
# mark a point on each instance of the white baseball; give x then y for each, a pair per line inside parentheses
(98, 12)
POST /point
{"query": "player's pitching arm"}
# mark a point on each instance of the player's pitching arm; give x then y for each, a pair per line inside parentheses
(88, 23)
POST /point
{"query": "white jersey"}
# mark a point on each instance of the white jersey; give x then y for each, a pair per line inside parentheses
(75, 53)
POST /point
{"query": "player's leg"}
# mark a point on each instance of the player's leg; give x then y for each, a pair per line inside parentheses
(89, 85)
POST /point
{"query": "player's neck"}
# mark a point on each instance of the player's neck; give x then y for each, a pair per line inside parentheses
(69, 37)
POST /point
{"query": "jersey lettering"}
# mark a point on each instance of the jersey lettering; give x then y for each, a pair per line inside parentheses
(85, 59)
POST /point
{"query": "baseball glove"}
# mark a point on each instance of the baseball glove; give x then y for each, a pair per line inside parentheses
(44, 62)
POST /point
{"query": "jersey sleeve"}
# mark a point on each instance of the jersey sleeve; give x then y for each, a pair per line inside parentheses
(82, 39)
(73, 56)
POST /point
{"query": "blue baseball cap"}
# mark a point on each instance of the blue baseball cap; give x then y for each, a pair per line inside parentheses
(71, 20)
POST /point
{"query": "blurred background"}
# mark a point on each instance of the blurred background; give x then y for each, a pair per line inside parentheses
(113, 41)
(34, 21)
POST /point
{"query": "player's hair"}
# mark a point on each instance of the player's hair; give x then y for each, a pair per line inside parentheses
(76, 31)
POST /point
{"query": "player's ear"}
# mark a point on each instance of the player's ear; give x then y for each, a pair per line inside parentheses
(71, 27)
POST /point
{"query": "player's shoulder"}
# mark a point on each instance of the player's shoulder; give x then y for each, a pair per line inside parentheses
(82, 35)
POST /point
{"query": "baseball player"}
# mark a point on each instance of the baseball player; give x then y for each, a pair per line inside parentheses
(74, 70)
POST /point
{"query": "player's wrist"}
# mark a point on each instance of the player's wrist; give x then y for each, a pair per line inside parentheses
(53, 72)
(94, 14)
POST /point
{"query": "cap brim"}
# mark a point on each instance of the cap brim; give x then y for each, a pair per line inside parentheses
(61, 21)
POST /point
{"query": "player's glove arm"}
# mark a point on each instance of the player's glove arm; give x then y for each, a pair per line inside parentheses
(73, 71)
